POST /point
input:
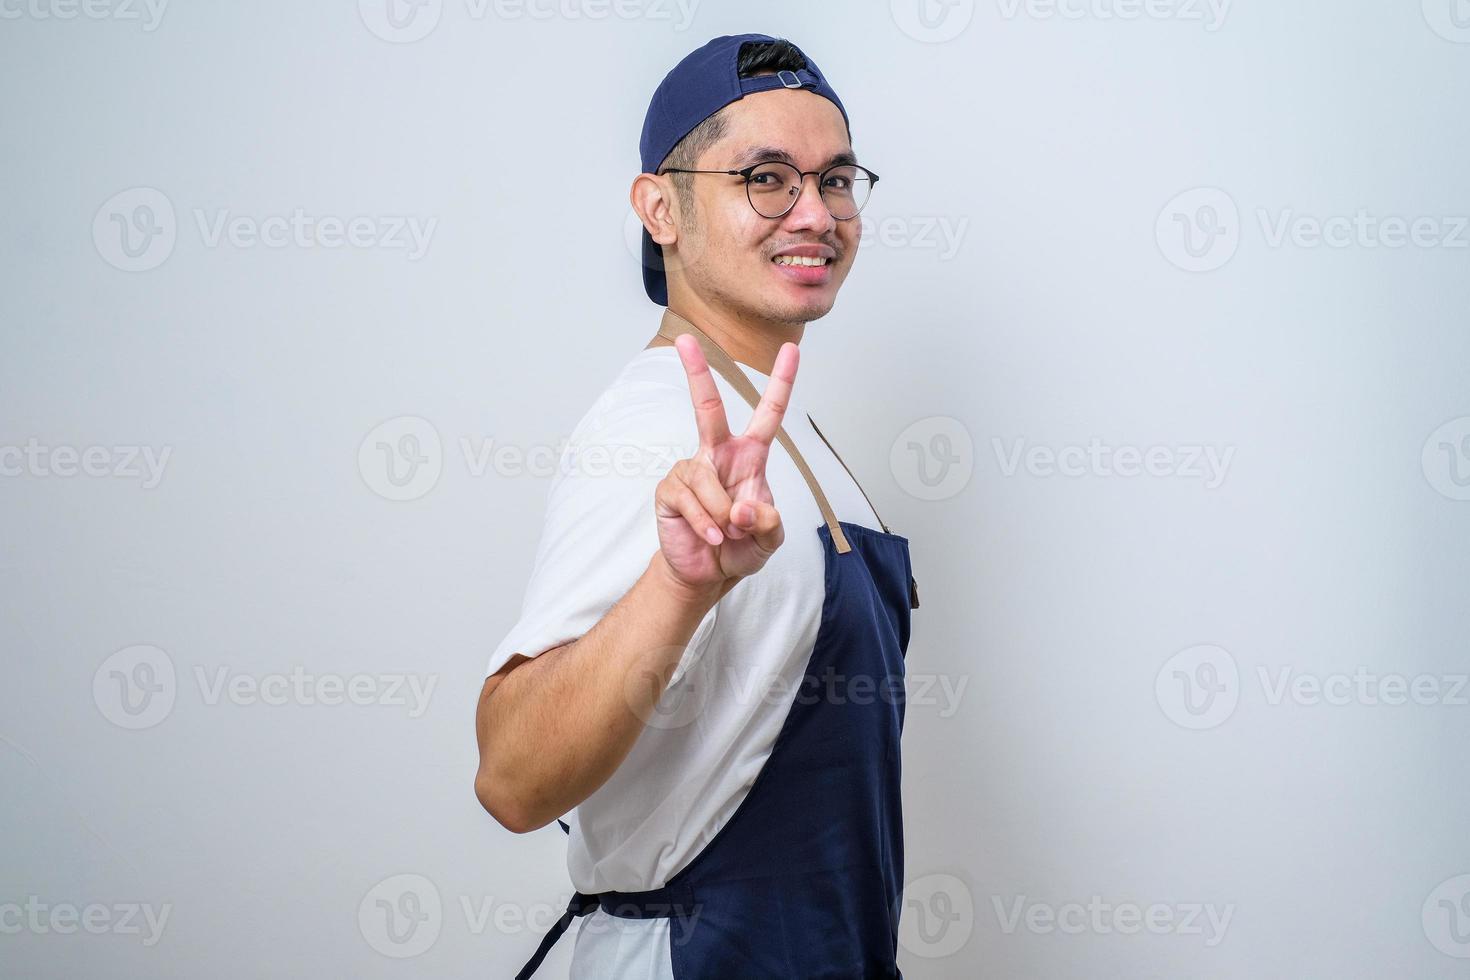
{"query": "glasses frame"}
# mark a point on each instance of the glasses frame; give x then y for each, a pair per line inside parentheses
(801, 187)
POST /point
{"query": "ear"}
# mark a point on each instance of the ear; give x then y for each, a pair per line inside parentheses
(653, 201)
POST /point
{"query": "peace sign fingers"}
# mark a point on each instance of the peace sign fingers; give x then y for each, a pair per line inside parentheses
(709, 408)
(772, 409)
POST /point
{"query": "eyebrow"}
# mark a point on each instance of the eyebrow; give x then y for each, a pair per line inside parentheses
(763, 154)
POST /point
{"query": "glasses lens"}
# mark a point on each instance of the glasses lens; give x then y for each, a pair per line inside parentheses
(846, 190)
(773, 188)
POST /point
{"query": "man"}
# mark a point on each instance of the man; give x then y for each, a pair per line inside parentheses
(707, 688)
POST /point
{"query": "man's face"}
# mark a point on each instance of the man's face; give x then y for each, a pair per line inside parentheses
(730, 250)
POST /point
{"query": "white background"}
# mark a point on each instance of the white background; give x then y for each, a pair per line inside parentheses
(1052, 147)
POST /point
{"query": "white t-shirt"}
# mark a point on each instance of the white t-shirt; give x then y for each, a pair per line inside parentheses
(726, 703)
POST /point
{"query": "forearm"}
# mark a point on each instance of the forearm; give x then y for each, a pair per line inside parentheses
(557, 726)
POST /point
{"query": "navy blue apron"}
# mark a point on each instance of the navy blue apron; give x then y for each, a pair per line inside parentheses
(805, 880)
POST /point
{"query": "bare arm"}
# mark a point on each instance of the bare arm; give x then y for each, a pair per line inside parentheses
(554, 728)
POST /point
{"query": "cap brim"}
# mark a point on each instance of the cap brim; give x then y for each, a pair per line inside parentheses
(654, 282)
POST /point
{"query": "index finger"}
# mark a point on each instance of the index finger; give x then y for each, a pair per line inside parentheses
(777, 396)
(709, 408)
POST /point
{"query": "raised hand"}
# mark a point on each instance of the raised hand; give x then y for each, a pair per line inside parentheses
(717, 522)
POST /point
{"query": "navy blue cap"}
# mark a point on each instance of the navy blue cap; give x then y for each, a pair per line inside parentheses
(696, 88)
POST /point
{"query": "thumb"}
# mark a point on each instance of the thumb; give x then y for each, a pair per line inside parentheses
(766, 526)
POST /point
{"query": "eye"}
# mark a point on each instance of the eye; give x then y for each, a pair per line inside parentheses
(772, 177)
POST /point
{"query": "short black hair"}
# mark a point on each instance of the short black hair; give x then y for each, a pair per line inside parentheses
(768, 57)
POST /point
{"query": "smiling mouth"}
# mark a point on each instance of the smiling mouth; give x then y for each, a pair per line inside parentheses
(799, 260)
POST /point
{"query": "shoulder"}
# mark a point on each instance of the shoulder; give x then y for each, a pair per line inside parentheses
(649, 397)
(638, 426)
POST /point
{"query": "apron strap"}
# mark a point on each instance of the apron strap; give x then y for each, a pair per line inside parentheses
(668, 902)
(581, 904)
(886, 529)
(670, 327)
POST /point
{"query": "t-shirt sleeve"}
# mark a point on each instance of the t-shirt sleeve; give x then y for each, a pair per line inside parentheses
(599, 530)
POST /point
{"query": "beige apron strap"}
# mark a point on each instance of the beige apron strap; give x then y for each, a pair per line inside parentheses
(670, 327)
(913, 584)
(850, 473)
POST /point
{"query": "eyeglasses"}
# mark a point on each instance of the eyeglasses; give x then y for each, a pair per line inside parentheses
(773, 187)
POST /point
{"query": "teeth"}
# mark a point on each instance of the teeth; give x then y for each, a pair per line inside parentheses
(799, 260)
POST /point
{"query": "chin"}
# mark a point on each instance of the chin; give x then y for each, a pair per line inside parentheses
(813, 306)
(816, 309)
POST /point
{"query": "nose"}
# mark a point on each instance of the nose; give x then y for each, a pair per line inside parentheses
(810, 211)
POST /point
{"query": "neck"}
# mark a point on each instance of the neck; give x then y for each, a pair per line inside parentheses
(751, 341)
